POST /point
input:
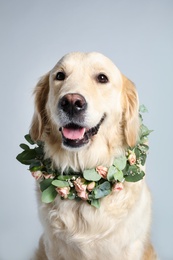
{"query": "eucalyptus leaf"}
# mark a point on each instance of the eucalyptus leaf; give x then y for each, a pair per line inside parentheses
(49, 194)
(136, 177)
(144, 139)
(45, 184)
(143, 148)
(144, 131)
(137, 152)
(111, 171)
(71, 195)
(143, 109)
(91, 175)
(120, 162)
(133, 173)
(118, 176)
(60, 184)
(65, 177)
(102, 190)
(131, 169)
(143, 158)
(95, 203)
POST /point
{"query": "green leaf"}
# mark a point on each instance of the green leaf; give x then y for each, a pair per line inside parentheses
(115, 174)
(65, 177)
(143, 148)
(60, 184)
(135, 178)
(24, 146)
(47, 161)
(143, 109)
(144, 131)
(111, 171)
(131, 169)
(120, 162)
(137, 152)
(49, 194)
(45, 184)
(133, 173)
(95, 203)
(118, 176)
(143, 158)
(71, 195)
(39, 150)
(102, 190)
(26, 156)
(35, 166)
(28, 139)
(91, 175)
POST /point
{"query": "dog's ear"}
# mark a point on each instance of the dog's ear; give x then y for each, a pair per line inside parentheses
(130, 112)
(40, 119)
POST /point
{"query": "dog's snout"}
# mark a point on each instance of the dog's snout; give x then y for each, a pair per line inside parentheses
(72, 103)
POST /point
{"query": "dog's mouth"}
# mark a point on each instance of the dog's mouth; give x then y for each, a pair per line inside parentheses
(74, 135)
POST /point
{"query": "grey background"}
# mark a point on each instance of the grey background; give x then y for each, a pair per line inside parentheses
(138, 37)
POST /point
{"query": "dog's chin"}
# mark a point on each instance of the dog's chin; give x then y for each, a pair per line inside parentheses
(75, 136)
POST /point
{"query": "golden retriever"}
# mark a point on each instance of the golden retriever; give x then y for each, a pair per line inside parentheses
(86, 113)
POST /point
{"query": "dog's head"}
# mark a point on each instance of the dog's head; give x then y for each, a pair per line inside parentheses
(85, 97)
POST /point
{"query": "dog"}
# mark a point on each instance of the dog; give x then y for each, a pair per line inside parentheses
(87, 114)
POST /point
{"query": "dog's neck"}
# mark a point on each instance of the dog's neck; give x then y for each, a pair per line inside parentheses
(85, 158)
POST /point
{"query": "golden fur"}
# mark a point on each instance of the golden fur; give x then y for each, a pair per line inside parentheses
(75, 230)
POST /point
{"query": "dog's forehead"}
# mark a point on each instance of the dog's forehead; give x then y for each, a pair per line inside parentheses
(92, 59)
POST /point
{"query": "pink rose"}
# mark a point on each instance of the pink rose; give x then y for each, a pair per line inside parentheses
(80, 188)
(132, 158)
(117, 186)
(63, 192)
(91, 186)
(79, 185)
(83, 195)
(37, 174)
(103, 171)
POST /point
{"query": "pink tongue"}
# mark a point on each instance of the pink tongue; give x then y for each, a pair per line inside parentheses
(73, 134)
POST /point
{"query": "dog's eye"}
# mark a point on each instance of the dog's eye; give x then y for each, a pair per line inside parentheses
(102, 78)
(60, 75)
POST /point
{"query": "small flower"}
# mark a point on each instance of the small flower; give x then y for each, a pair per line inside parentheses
(117, 186)
(48, 176)
(63, 192)
(79, 185)
(83, 195)
(103, 171)
(37, 174)
(132, 158)
(91, 186)
(80, 188)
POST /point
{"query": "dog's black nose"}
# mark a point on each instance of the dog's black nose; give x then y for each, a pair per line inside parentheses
(72, 104)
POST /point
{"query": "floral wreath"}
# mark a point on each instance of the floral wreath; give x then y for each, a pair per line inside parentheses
(92, 184)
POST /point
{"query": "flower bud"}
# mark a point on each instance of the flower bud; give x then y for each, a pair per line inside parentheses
(91, 186)
(132, 158)
(63, 192)
(103, 171)
(37, 174)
